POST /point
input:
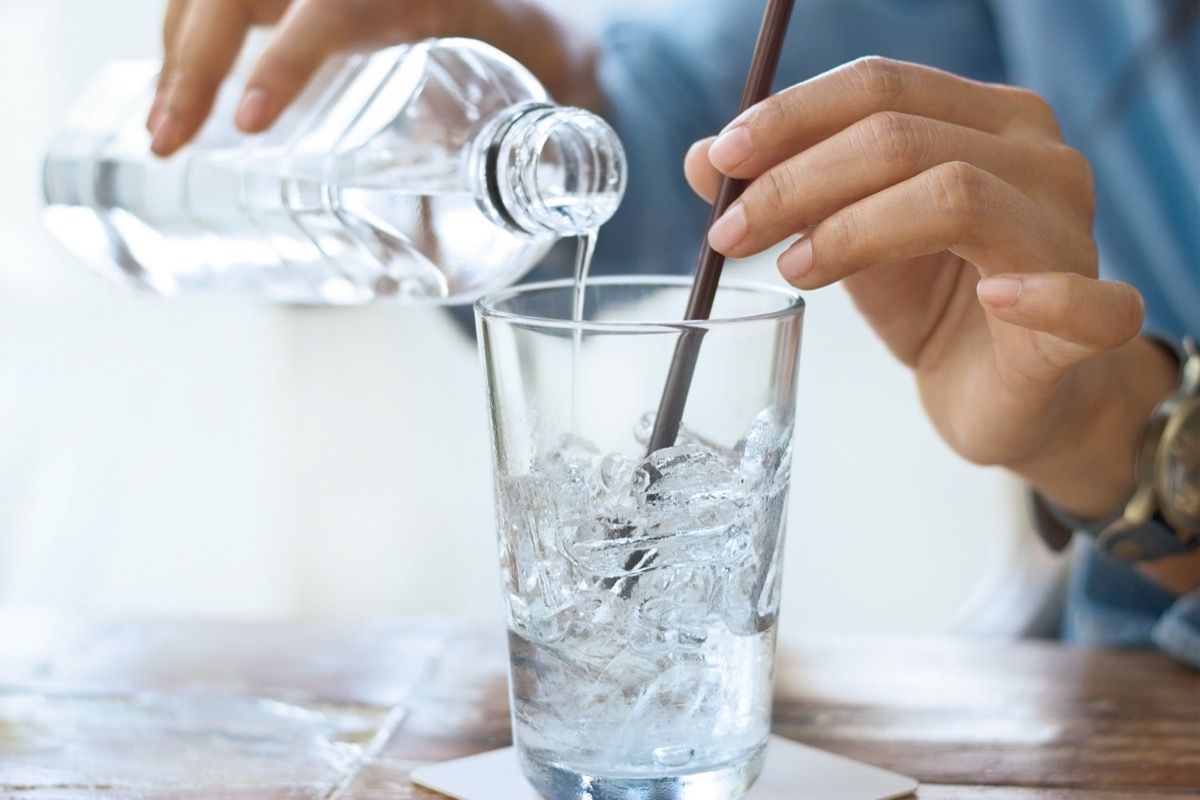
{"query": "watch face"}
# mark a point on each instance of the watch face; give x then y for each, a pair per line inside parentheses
(1177, 474)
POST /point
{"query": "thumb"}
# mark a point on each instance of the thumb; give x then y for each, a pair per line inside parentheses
(1073, 317)
(701, 175)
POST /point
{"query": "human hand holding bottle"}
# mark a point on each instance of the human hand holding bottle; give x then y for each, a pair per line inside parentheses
(960, 224)
(201, 40)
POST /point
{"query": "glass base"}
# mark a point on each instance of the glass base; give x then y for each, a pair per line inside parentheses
(555, 782)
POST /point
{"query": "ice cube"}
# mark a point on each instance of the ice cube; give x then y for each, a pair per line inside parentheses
(749, 596)
(664, 623)
(643, 432)
(563, 484)
(764, 451)
(644, 428)
(632, 551)
(686, 473)
(621, 482)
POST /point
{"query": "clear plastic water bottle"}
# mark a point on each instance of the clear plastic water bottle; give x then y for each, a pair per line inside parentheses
(424, 173)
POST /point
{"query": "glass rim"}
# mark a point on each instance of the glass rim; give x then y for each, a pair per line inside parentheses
(486, 306)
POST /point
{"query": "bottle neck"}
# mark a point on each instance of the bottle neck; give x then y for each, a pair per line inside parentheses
(543, 170)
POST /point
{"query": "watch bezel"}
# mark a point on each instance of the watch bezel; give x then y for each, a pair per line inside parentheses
(1185, 409)
(1124, 537)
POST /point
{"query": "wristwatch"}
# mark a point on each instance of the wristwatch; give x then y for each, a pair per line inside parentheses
(1163, 516)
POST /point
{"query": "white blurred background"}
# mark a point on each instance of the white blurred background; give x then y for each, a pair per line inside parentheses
(222, 460)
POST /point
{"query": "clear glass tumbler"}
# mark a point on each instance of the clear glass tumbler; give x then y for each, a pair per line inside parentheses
(641, 589)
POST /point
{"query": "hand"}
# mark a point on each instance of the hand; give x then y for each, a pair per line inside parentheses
(201, 40)
(960, 224)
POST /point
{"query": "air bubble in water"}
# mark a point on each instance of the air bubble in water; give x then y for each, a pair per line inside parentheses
(673, 756)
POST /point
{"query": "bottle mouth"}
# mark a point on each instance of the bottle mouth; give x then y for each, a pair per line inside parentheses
(493, 171)
(552, 170)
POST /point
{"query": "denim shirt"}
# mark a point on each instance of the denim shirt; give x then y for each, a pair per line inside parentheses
(669, 82)
(1112, 605)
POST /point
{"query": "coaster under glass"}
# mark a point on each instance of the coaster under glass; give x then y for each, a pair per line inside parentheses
(792, 771)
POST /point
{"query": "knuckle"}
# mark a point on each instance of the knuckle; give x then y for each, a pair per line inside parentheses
(1077, 172)
(843, 235)
(772, 113)
(1064, 306)
(958, 190)
(777, 186)
(880, 78)
(894, 138)
(843, 232)
(1082, 301)
(1036, 106)
(1031, 109)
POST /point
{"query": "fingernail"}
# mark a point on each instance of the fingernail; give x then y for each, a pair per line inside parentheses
(998, 292)
(797, 261)
(255, 111)
(731, 149)
(730, 229)
(168, 134)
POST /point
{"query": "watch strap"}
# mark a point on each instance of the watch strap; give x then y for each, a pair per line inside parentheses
(1115, 536)
(1152, 540)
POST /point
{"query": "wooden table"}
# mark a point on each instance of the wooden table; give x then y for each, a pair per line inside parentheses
(125, 709)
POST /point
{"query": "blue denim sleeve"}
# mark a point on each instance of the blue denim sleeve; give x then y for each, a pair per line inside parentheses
(1178, 630)
(1110, 604)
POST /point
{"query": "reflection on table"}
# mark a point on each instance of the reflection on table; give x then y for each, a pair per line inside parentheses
(120, 709)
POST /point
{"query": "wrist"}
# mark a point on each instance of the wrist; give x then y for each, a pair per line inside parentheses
(1087, 468)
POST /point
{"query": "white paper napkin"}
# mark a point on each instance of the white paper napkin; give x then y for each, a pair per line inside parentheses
(791, 771)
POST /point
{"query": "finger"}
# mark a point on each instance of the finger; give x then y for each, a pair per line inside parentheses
(953, 207)
(207, 41)
(701, 175)
(1075, 317)
(887, 148)
(312, 30)
(172, 19)
(308, 33)
(797, 118)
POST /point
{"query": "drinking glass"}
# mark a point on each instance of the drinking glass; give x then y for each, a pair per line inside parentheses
(641, 588)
